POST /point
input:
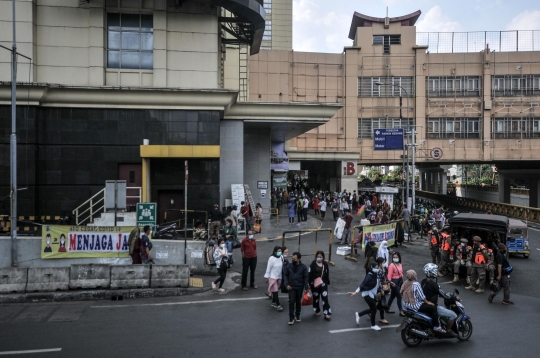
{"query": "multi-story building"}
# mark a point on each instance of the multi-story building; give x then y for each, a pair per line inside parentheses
(130, 89)
(475, 96)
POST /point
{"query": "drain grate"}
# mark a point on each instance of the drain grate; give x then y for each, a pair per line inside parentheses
(195, 282)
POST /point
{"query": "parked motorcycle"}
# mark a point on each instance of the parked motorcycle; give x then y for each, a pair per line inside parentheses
(418, 327)
(167, 232)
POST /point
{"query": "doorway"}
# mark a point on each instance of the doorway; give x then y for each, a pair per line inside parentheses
(132, 174)
(170, 199)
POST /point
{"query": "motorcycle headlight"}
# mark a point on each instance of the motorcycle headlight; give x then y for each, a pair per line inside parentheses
(459, 304)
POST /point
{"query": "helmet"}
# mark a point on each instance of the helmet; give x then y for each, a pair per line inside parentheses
(431, 270)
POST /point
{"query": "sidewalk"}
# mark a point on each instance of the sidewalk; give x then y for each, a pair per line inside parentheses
(274, 227)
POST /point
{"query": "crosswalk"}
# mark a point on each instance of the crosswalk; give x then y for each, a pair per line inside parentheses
(35, 313)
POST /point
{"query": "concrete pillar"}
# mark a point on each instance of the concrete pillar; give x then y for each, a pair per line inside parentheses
(231, 161)
(436, 181)
(504, 189)
(533, 192)
(257, 146)
(444, 190)
(421, 179)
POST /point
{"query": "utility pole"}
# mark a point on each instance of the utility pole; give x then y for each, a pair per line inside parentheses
(13, 143)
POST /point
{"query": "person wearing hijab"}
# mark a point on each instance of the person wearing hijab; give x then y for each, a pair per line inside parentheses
(273, 276)
(384, 254)
(415, 300)
(369, 288)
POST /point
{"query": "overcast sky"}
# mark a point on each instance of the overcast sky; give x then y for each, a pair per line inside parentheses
(323, 25)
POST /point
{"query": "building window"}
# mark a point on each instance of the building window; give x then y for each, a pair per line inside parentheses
(267, 4)
(130, 41)
(367, 125)
(506, 86)
(453, 86)
(368, 87)
(386, 41)
(464, 128)
(267, 36)
(528, 127)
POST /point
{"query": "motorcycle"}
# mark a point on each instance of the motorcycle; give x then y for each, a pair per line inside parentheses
(418, 327)
(167, 232)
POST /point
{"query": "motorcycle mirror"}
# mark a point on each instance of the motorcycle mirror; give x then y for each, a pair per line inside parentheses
(456, 291)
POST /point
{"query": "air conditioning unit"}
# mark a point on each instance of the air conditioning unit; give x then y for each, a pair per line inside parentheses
(487, 104)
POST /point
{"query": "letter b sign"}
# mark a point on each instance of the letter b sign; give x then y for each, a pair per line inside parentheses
(349, 168)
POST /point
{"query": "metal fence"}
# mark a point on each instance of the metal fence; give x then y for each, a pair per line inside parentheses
(499, 41)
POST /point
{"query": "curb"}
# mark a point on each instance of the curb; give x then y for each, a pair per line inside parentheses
(97, 295)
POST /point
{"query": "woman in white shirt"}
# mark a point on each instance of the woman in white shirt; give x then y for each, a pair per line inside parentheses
(221, 257)
(273, 276)
(323, 208)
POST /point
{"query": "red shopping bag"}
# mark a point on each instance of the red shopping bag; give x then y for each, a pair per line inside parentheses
(307, 300)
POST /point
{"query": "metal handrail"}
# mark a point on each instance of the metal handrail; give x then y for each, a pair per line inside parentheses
(92, 205)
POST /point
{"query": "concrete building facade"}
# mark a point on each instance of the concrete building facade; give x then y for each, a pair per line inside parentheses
(475, 96)
(106, 75)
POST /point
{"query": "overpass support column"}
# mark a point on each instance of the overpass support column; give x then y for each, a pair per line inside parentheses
(436, 182)
(444, 190)
(533, 192)
(504, 189)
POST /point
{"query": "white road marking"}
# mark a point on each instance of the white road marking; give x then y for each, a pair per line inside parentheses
(361, 329)
(538, 249)
(532, 228)
(32, 351)
(183, 303)
(444, 283)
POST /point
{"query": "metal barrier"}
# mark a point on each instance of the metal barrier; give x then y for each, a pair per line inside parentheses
(316, 231)
(514, 211)
(275, 211)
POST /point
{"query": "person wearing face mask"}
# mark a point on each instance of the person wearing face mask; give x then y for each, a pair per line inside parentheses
(221, 257)
(296, 280)
(368, 288)
(146, 246)
(384, 254)
(273, 276)
(249, 260)
(462, 257)
(395, 276)
(229, 232)
(319, 280)
(504, 269)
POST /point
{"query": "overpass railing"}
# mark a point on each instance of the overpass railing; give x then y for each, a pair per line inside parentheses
(514, 211)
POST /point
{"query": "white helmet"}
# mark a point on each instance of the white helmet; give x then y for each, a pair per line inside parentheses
(431, 270)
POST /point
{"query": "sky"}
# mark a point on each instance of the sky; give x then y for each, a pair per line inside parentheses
(323, 25)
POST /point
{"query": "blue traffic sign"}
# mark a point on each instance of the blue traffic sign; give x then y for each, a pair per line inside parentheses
(388, 139)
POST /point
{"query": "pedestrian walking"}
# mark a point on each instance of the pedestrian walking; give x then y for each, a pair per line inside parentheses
(291, 208)
(323, 209)
(395, 276)
(249, 260)
(297, 283)
(221, 258)
(319, 280)
(368, 289)
(259, 215)
(215, 221)
(384, 254)
(305, 208)
(504, 269)
(346, 236)
(316, 206)
(146, 246)
(230, 235)
(274, 275)
(370, 255)
(245, 212)
(335, 208)
(134, 244)
(406, 215)
(299, 208)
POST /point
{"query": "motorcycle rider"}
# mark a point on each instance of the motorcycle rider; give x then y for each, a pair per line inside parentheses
(463, 255)
(480, 259)
(445, 252)
(432, 291)
(434, 246)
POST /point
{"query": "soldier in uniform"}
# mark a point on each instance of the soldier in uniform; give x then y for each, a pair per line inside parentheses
(480, 260)
(462, 256)
(445, 252)
(199, 233)
(434, 246)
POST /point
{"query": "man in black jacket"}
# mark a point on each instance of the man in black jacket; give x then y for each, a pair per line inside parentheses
(215, 222)
(296, 281)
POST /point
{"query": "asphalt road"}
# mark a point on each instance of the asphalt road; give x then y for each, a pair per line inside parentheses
(242, 324)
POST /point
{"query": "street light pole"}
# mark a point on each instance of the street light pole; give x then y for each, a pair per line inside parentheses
(13, 143)
(413, 145)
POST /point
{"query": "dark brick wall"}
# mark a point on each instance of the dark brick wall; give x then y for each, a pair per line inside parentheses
(66, 154)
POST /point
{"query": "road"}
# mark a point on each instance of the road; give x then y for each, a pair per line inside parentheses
(242, 324)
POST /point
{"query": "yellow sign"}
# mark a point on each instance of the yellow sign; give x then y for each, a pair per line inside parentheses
(65, 242)
(378, 234)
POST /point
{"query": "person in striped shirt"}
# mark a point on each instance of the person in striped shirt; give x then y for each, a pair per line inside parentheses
(415, 300)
